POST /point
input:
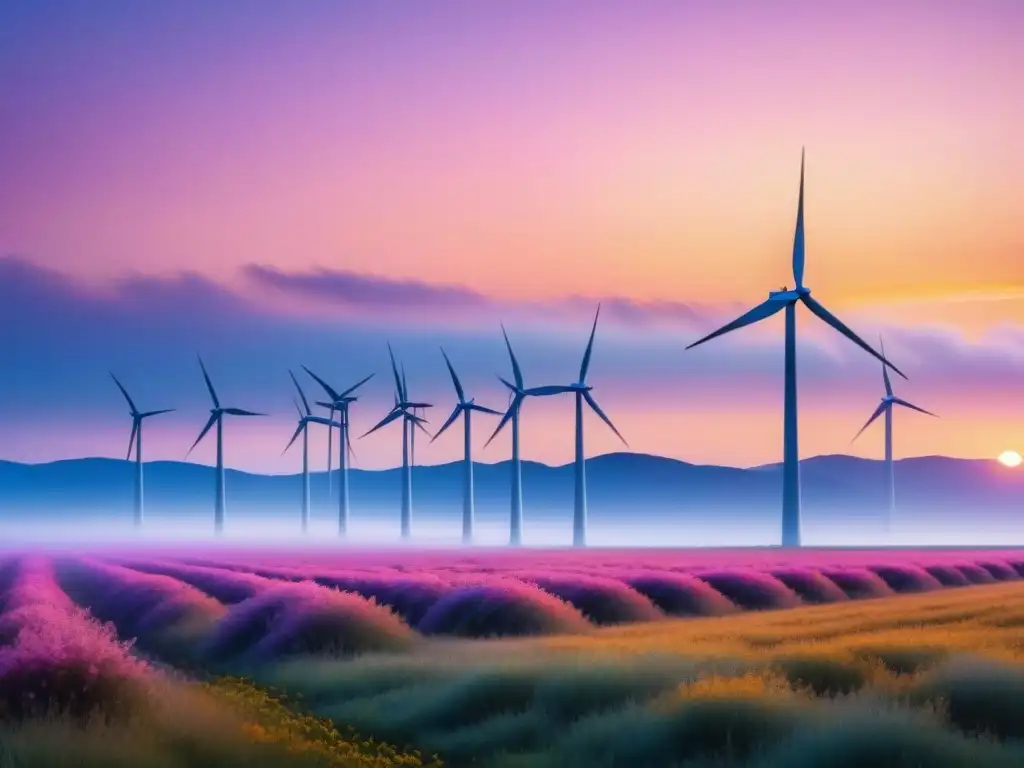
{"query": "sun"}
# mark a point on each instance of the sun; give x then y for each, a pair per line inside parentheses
(1010, 459)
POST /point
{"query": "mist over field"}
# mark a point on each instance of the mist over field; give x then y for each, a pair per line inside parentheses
(633, 500)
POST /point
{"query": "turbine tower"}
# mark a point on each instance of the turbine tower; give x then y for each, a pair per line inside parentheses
(466, 408)
(136, 441)
(415, 407)
(306, 418)
(777, 301)
(403, 410)
(340, 402)
(886, 407)
(583, 394)
(217, 414)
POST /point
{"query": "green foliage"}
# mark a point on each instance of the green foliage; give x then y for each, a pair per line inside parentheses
(824, 676)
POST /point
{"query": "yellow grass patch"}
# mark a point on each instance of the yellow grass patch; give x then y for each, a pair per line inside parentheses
(987, 620)
(268, 720)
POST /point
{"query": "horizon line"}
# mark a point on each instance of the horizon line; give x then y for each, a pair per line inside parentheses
(312, 472)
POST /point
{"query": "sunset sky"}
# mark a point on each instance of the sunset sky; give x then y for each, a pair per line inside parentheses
(271, 184)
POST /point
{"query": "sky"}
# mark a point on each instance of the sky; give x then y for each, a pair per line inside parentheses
(273, 185)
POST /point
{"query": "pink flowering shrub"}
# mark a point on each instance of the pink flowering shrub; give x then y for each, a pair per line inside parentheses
(56, 658)
(306, 618)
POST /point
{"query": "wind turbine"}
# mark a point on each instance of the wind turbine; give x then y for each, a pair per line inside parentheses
(306, 418)
(217, 414)
(517, 393)
(777, 301)
(339, 401)
(886, 407)
(403, 410)
(583, 394)
(136, 441)
(466, 408)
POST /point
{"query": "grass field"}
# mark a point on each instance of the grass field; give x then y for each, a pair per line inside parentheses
(757, 659)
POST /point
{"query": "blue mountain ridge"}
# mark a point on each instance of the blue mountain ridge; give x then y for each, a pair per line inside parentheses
(618, 485)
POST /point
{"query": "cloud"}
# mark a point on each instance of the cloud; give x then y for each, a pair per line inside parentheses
(359, 291)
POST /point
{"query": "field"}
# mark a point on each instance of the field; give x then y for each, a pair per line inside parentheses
(758, 658)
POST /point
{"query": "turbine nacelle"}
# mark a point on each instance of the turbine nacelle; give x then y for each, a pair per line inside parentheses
(787, 296)
(336, 404)
(409, 406)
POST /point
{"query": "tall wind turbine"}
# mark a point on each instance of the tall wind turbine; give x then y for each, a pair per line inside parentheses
(886, 407)
(403, 410)
(777, 301)
(340, 402)
(306, 418)
(136, 441)
(466, 408)
(517, 394)
(217, 414)
(583, 394)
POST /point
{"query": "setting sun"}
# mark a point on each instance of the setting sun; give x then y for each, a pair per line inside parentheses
(1010, 458)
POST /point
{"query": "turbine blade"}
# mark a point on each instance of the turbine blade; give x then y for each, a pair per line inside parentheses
(323, 421)
(455, 379)
(549, 390)
(762, 311)
(147, 414)
(354, 387)
(604, 417)
(419, 405)
(323, 404)
(125, 393)
(517, 372)
(302, 394)
(816, 307)
(590, 348)
(348, 439)
(516, 402)
(209, 384)
(209, 425)
(913, 407)
(298, 410)
(326, 387)
(242, 412)
(798, 237)
(405, 385)
(394, 370)
(298, 431)
(482, 409)
(451, 420)
(418, 423)
(384, 422)
(878, 412)
(131, 440)
(511, 387)
(885, 372)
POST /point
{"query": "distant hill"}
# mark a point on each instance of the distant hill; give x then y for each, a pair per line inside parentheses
(621, 487)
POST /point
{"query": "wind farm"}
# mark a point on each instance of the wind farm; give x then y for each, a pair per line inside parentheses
(408, 412)
(624, 275)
